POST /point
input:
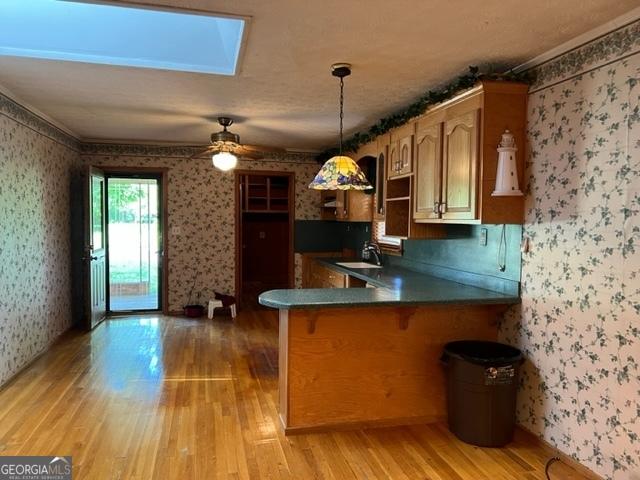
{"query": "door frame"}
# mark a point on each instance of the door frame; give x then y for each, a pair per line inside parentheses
(238, 220)
(162, 174)
(88, 320)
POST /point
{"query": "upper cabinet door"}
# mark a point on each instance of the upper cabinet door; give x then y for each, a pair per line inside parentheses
(342, 205)
(428, 175)
(460, 167)
(406, 155)
(393, 160)
(381, 182)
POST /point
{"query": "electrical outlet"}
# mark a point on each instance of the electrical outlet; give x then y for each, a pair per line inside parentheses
(483, 237)
(262, 235)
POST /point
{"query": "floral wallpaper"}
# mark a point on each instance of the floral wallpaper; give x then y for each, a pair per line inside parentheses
(201, 211)
(36, 164)
(579, 320)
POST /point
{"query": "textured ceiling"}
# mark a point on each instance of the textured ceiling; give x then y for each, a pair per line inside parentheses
(284, 94)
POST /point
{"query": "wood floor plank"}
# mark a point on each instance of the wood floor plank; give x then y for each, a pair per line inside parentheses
(153, 397)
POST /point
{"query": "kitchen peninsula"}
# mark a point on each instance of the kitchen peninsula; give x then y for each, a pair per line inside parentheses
(370, 356)
(351, 355)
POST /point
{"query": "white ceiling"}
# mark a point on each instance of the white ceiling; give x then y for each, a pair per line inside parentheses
(284, 94)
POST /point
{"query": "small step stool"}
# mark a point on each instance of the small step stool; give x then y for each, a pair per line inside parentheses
(222, 301)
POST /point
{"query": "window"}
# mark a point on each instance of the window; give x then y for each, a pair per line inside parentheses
(115, 35)
(390, 244)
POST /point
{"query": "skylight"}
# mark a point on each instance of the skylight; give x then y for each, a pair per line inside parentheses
(115, 35)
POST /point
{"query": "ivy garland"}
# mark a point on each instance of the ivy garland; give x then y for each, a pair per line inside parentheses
(417, 108)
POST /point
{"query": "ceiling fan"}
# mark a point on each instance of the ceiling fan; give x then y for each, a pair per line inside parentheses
(225, 148)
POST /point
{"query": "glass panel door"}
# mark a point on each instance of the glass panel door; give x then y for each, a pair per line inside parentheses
(95, 252)
(134, 243)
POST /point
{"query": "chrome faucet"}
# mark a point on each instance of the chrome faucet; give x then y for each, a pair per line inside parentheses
(369, 249)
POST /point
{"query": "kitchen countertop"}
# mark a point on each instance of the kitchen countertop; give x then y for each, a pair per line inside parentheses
(395, 286)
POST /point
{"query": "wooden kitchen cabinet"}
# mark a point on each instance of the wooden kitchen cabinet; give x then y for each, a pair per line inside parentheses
(353, 206)
(346, 206)
(456, 157)
(406, 155)
(324, 277)
(328, 208)
(428, 169)
(459, 167)
(400, 161)
(316, 275)
(381, 179)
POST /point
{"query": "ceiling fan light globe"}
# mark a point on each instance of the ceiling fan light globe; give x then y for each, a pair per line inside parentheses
(224, 161)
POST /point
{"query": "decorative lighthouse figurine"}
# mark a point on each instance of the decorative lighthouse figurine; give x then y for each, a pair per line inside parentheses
(507, 174)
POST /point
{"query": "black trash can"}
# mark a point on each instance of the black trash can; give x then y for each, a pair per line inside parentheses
(482, 381)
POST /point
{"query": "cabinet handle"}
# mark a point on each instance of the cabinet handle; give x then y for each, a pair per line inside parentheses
(443, 208)
(436, 207)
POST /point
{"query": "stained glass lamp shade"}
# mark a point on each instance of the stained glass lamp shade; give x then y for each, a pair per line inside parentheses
(340, 173)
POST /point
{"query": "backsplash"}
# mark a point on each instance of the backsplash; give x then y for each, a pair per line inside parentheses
(461, 256)
(330, 235)
(578, 321)
(37, 162)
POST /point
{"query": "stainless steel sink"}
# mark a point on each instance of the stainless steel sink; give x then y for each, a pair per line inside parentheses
(357, 265)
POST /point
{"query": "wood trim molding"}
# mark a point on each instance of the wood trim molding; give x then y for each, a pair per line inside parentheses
(396, 422)
(579, 471)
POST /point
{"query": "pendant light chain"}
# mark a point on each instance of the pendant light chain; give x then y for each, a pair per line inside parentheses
(341, 110)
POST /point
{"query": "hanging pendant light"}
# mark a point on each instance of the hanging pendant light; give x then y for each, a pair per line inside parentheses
(340, 172)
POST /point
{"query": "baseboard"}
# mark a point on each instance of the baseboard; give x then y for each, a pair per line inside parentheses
(394, 422)
(33, 359)
(567, 460)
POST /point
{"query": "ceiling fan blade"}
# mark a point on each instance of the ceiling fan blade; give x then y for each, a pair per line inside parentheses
(263, 149)
(202, 153)
(253, 155)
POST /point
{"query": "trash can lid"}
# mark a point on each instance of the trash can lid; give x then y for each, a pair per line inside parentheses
(482, 352)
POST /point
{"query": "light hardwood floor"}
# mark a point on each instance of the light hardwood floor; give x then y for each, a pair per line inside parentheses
(172, 398)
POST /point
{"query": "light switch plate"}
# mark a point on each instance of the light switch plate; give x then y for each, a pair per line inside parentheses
(483, 237)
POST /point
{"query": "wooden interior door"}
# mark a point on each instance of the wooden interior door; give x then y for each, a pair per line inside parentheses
(428, 175)
(95, 248)
(459, 165)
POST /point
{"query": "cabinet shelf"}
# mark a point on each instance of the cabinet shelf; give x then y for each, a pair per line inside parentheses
(397, 199)
(265, 194)
(270, 212)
